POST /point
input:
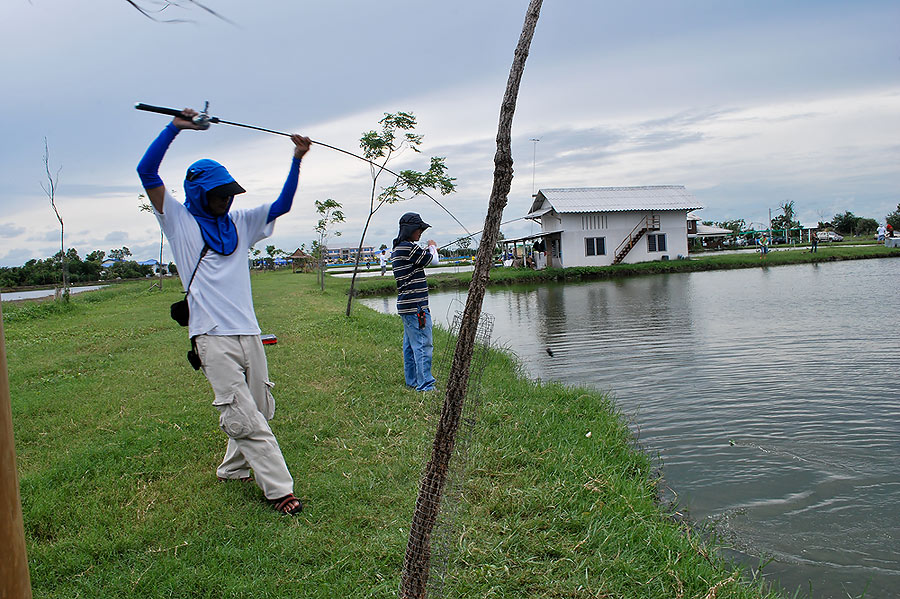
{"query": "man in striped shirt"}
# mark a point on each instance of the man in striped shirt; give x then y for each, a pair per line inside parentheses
(409, 262)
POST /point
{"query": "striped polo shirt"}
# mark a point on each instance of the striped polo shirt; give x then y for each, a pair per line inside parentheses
(409, 262)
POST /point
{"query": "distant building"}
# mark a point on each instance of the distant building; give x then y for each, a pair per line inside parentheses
(302, 260)
(707, 235)
(345, 255)
(599, 226)
(153, 264)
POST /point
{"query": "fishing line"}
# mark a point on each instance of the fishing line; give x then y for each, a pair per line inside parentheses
(204, 119)
(470, 235)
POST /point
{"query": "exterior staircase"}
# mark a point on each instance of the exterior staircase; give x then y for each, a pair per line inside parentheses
(650, 222)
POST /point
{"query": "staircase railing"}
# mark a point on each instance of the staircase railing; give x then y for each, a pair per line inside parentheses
(649, 222)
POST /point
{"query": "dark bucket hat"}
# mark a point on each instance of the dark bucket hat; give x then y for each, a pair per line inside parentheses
(409, 224)
(411, 219)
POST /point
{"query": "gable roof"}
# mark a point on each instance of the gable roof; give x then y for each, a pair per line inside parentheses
(616, 199)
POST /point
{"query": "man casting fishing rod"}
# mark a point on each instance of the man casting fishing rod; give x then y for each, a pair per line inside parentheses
(210, 242)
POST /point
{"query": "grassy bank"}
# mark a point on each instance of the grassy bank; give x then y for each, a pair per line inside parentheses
(117, 445)
(707, 261)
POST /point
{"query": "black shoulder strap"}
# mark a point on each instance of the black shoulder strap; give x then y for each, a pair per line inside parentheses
(202, 253)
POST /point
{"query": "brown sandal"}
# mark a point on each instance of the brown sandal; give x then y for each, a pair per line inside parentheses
(281, 505)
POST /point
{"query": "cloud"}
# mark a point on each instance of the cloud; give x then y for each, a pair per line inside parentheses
(16, 257)
(9, 230)
(50, 235)
(690, 97)
(116, 237)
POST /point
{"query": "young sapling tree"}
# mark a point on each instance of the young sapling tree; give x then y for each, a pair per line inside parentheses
(331, 214)
(380, 147)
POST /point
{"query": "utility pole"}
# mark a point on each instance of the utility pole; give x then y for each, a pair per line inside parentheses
(14, 579)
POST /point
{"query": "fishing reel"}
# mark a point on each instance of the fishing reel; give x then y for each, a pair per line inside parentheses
(203, 120)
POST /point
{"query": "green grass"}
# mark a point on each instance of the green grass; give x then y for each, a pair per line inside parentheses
(706, 261)
(117, 447)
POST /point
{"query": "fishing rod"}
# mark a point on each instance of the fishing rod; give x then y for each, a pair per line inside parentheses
(203, 120)
(470, 235)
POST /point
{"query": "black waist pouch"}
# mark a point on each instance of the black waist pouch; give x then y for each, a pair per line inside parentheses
(180, 312)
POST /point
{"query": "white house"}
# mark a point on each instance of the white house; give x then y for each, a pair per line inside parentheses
(599, 226)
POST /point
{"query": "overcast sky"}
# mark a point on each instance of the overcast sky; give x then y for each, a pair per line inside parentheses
(747, 104)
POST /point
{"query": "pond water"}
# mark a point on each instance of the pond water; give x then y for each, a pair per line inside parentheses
(770, 396)
(39, 293)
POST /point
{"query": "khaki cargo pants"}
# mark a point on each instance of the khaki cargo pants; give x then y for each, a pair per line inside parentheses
(235, 366)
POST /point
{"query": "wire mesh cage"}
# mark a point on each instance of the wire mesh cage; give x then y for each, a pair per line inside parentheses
(444, 546)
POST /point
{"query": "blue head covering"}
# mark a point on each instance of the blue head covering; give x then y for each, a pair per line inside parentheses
(204, 175)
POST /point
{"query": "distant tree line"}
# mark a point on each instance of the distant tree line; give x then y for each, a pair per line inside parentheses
(850, 224)
(893, 219)
(845, 223)
(49, 270)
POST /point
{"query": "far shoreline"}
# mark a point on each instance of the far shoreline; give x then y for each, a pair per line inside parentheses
(511, 276)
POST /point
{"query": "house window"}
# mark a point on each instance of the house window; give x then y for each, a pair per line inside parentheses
(595, 246)
(656, 242)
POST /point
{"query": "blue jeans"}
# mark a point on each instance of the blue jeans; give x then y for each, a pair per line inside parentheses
(417, 351)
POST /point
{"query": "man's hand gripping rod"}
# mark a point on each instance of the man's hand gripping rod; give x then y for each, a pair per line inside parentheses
(203, 120)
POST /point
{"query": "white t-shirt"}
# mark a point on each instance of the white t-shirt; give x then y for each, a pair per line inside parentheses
(382, 258)
(220, 301)
(435, 257)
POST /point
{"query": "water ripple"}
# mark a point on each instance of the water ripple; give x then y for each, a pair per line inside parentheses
(769, 395)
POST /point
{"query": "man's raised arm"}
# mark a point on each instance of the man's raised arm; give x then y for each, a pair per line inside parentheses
(286, 199)
(148, 167)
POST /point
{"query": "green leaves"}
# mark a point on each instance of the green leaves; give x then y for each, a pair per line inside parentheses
(402, 120)
(412, 183)
(374, 145)
(397, 133)
(383, 145)
(329, 210)
(893, 219)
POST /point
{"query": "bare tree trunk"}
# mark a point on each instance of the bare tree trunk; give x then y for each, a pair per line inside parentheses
(50, 190)
(14, 578)
(65, 258)
(362, 240)
(418, 548)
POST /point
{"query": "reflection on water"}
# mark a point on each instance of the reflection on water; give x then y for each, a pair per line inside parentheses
(769, 394)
